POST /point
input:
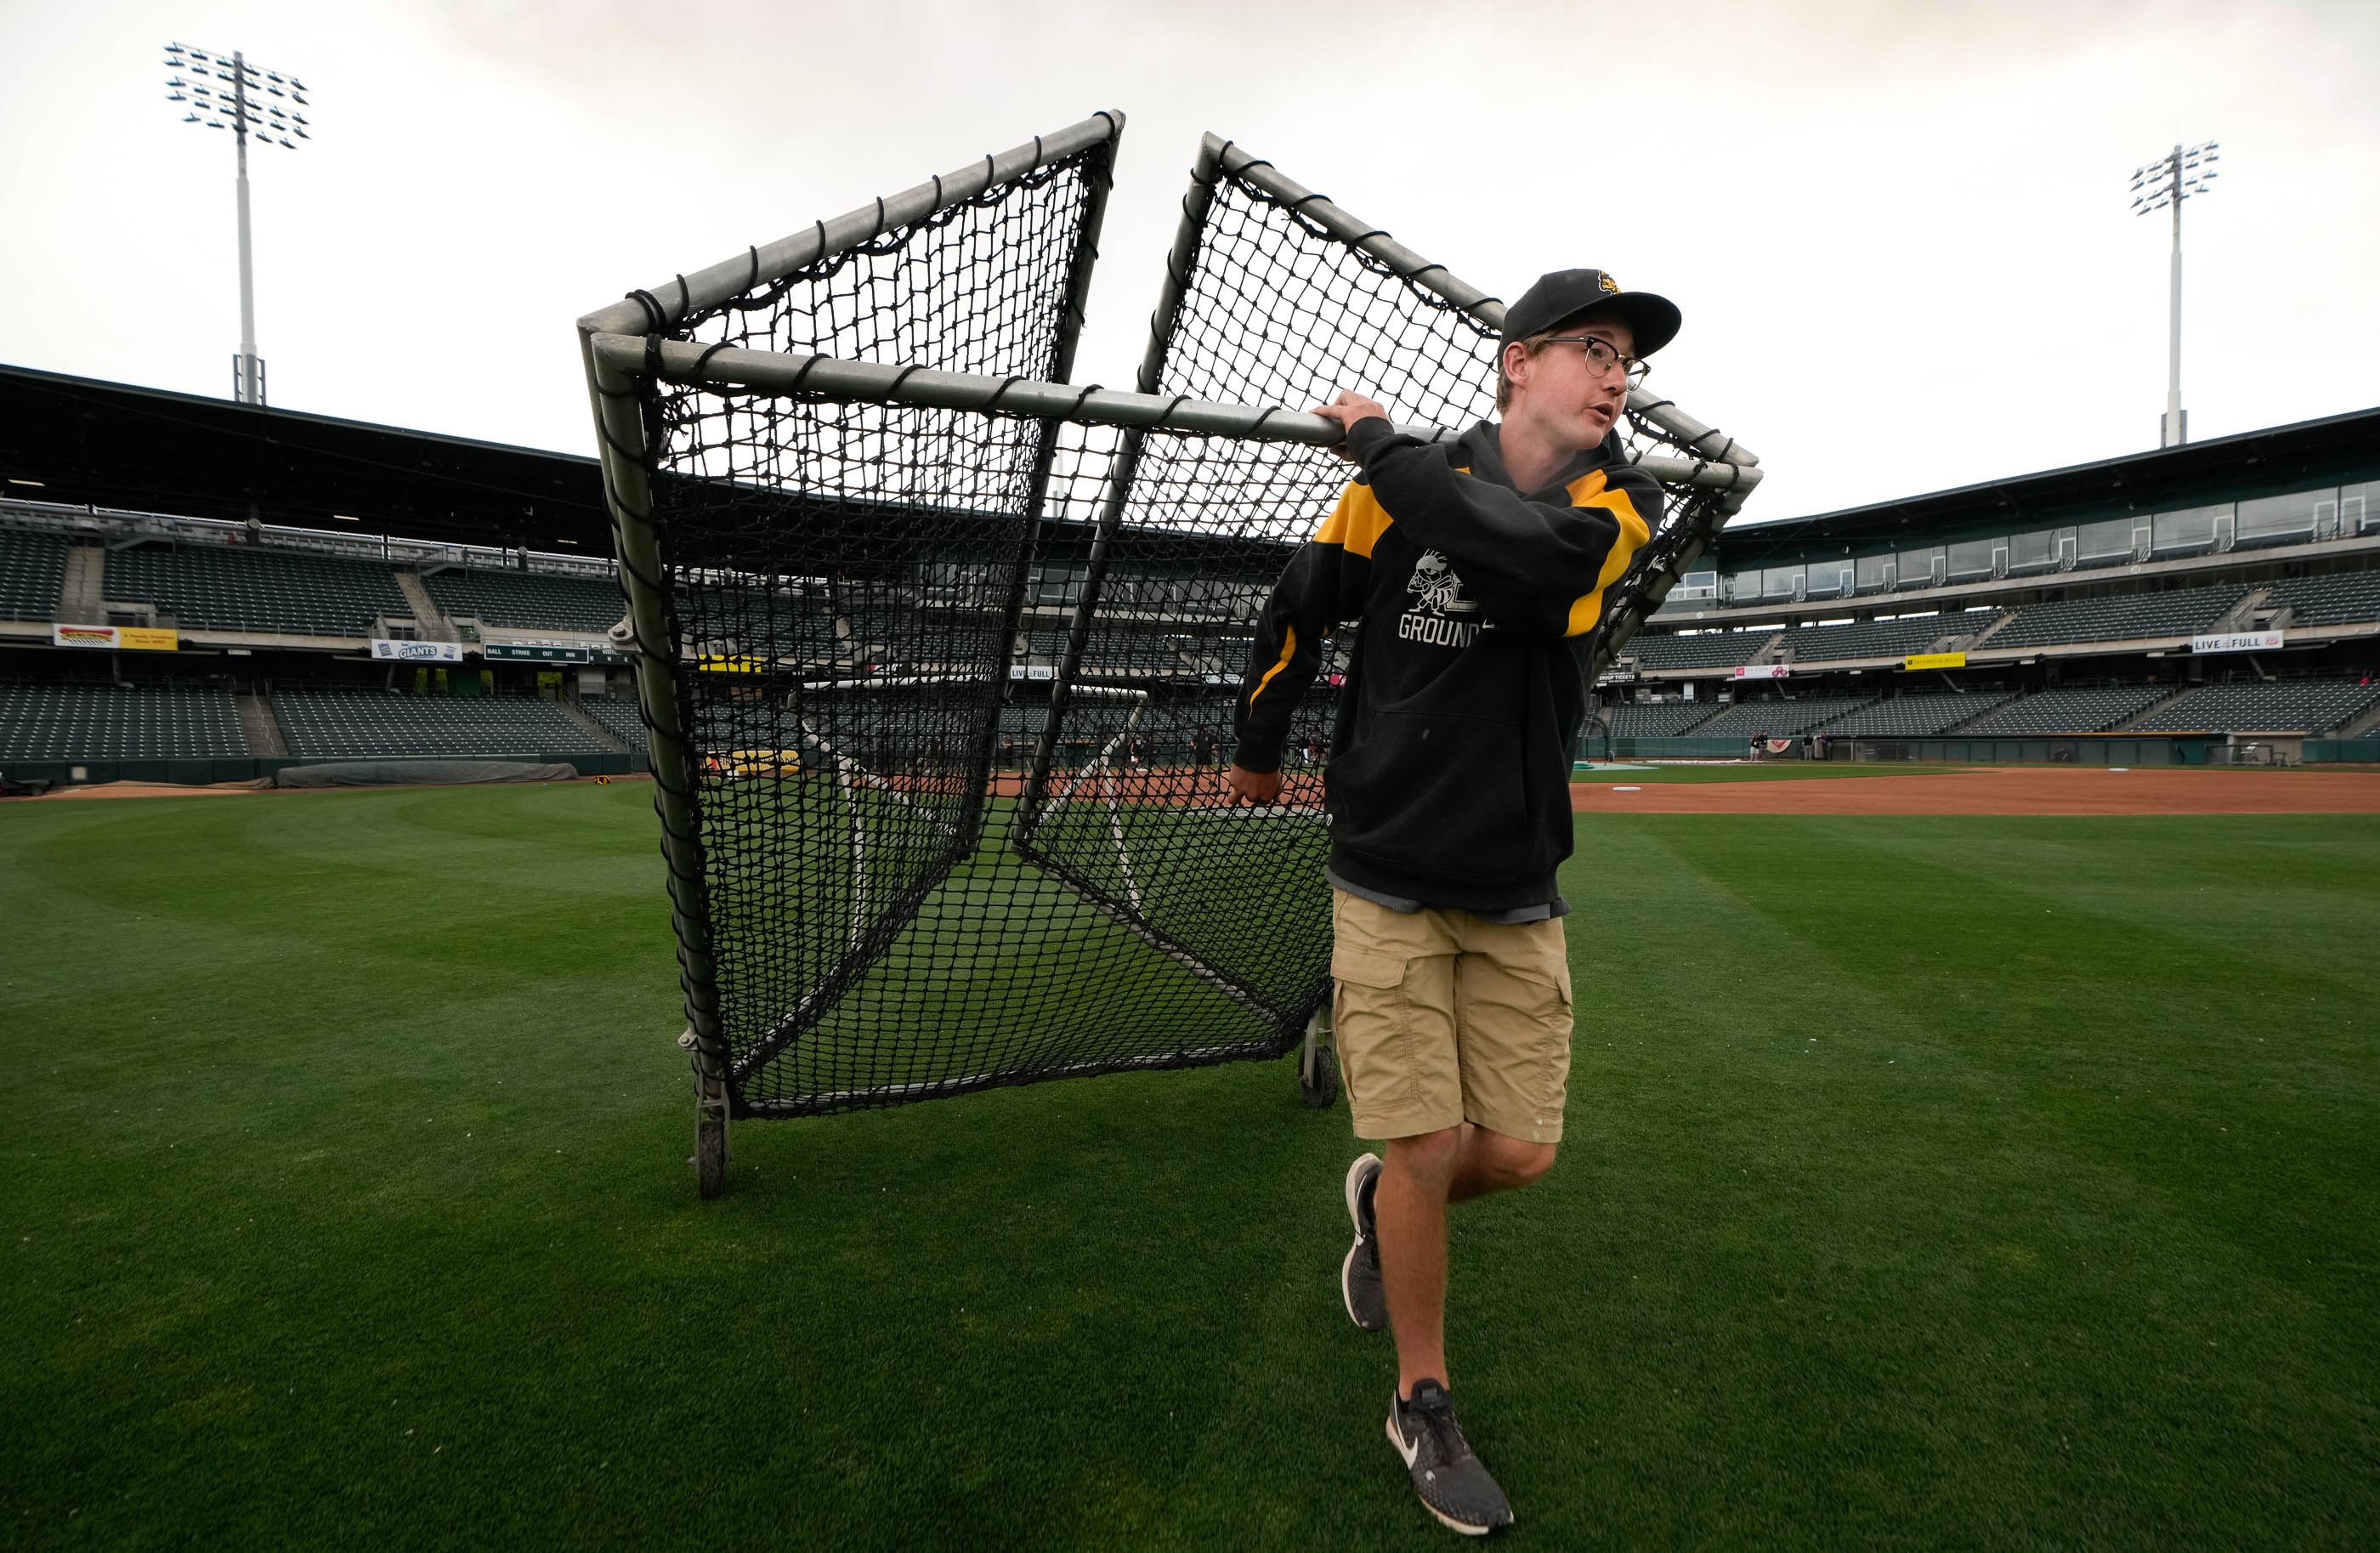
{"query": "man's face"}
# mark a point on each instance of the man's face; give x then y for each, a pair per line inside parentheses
(1561, 389)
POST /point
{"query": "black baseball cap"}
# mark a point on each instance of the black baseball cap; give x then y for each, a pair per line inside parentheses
(1567, 296)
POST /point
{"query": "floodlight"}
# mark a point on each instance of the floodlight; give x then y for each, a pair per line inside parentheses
(2178, 175)
(237, 111)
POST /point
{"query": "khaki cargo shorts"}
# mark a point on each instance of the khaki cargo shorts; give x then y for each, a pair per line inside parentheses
(1441, 1019)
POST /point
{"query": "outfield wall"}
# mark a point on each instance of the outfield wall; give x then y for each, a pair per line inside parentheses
(2078, 750)
(201, 772)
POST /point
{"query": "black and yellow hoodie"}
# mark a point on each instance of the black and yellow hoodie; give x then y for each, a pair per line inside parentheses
(1448, 780)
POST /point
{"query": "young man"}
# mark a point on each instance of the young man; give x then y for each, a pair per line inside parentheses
(1477, 570)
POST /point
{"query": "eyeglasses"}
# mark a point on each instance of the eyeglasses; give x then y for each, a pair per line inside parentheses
(1603, 356)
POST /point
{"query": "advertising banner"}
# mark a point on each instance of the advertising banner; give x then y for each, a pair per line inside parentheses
(2238, 641)
(1935, 660)
(416, 652)
(1764, 671)
(136, 639)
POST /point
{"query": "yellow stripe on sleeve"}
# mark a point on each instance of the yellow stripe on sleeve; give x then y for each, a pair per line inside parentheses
(1356, 524)
(1587, 491)
(1288, 651)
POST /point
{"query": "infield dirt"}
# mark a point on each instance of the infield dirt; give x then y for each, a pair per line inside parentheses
(2086, 790)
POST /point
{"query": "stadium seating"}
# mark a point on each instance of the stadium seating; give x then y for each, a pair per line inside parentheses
(250, 590)
(1022, 722)
(618, 715)
(2181, 612)
(2285, 706)
(1918, 716)
(1882, 638)
(1780, 718)
(783, 629)
(2091, 710)
(525, 600)
(2330, 600)
(1128, 653)
(1718, 649)
(369, 722)
(32, 568)
(117, 722)
(1656, 719)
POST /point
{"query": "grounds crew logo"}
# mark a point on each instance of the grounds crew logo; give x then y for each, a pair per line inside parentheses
(1437, 598)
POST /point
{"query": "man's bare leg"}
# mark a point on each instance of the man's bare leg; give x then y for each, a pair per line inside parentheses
(1419, 1176)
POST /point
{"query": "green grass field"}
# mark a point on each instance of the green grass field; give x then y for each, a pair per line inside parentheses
(1971, 1183)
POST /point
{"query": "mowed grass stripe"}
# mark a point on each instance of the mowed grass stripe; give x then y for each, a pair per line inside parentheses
(1950, 1151)
(339, 1116)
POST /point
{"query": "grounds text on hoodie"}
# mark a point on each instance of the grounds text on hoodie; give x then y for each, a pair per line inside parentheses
(1448, 775)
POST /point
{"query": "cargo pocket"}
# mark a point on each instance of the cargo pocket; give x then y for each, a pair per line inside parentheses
(1367, 991)
(1542, 1075)
(1559, 980)
(1365, 967)
(1549, 997)
(1372, 1028)
(1545, 960)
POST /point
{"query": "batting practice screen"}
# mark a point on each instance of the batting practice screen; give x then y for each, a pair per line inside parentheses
(940, 656)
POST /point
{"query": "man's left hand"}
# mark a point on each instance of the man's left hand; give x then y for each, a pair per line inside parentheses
(1260, 788)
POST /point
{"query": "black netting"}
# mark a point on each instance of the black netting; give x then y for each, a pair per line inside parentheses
(958, 686)
(1280, 311)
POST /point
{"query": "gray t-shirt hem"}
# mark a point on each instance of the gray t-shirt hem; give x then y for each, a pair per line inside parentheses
(1504, 916)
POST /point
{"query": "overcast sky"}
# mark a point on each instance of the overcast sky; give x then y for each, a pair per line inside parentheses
(1899, 231)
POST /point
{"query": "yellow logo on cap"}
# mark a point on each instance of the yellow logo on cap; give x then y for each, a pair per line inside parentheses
(1610, 285)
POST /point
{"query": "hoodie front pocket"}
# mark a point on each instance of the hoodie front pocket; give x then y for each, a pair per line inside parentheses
(1436, 791)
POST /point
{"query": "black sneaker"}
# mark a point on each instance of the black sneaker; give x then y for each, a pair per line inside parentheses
(1359, 1275)
(1451, 1483)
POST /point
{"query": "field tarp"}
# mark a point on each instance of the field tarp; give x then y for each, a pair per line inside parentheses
(408, 773)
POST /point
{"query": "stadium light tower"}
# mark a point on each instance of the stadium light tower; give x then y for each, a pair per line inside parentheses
(239, 104)
(2180, 174)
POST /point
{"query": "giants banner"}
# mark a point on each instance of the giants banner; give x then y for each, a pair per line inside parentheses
(416, 652)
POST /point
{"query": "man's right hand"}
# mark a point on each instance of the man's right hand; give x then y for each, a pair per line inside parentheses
(1347, 408)
(1259, 788)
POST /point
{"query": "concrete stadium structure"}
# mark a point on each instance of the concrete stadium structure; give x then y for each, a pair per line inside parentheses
(2216, 600)
(308, 587)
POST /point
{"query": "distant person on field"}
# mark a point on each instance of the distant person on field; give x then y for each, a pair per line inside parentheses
(1478, 569)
